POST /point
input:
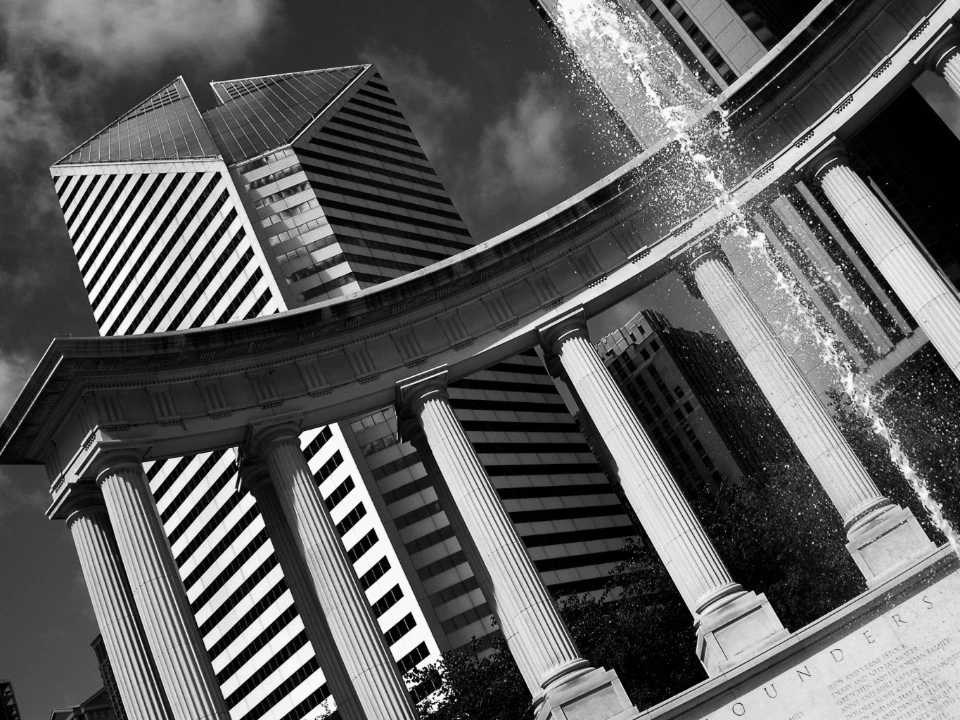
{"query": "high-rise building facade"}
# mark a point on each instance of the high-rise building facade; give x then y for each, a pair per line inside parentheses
(96, 707)
(697, 401)
(8, 702)
(565, 511)
(108, 678)
(717, 40)
(296, 189)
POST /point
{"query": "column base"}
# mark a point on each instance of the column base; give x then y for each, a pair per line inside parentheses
(596, 695)
(888, 544)
(736, 632)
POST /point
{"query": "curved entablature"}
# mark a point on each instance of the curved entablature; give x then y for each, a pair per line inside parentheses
(197, 390)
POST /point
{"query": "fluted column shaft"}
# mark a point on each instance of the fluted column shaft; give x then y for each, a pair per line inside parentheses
(411, 429)
(168, 621)
(540, 643)
(368, 662)
(923, 290)
(838, 469)
(663, 511)
(123, 636)
(298, 581)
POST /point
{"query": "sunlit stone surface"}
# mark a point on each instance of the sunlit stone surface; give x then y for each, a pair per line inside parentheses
(891, 653)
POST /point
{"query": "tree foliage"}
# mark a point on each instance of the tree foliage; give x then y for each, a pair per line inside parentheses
(778, 534)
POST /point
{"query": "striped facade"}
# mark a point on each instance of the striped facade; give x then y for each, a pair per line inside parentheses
(295, 189)
(165, 240)
(566, 512)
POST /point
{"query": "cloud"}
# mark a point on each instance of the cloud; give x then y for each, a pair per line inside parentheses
(15, 368)
(124, 36)
(524, 150)
(431, 103)
(18, 487)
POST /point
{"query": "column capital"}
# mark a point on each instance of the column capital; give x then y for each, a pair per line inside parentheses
(76, 500)
(413, 392)
(685, 263)
(940, 50)
(826, 157)
(552, 335)
(252, 472)
(263, 433)
(99, 454)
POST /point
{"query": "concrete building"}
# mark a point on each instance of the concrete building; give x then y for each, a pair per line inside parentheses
(568, 516)
(809, 244)
(8, 702)
(695, 398)
(98, 411)
(98, 706)
(108, 678)
(295, 189)
(717, 40)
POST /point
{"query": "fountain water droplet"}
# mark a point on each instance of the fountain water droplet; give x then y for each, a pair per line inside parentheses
(622, 50)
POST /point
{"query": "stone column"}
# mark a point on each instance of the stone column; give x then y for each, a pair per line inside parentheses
(883, 538)
(168, 621)
(923, 290)
(256, 479)
(412, 431)
(123, 636)
(568, 686)
(356, 634)
(945, 60)
(704, 582)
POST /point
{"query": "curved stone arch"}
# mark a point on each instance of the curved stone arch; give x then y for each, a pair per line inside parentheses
(355, 349)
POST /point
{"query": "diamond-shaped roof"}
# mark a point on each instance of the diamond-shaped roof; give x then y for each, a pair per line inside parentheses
(261, 113)
(165, 126)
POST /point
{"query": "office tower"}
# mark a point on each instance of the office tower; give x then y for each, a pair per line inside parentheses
(96, 707)
(108, 678)
(697, 401)
(717, 40)
(568, 516)
(296, 189)
(8, 702)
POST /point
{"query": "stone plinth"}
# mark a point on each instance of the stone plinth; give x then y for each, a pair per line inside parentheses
(891, 653)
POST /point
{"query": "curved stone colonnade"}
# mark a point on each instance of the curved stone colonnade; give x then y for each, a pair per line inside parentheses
(96, 408)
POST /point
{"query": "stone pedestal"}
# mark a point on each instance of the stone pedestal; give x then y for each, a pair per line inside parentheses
(598, 694)
(675, 532)
(168, 621)
(862, 507)
(256, 480)
(737, 631)
(356, 634)
(541, 644)
(887, 544)
(120, 627)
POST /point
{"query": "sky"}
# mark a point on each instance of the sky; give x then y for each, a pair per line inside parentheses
(499, 109)
(483, 83)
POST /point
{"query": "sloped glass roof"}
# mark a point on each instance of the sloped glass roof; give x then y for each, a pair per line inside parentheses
(262, 113)
(165, 126)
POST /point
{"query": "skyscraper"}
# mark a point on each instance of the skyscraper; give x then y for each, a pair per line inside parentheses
(8, 702)
(295, 189)
(718, 40)
(698, 403)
